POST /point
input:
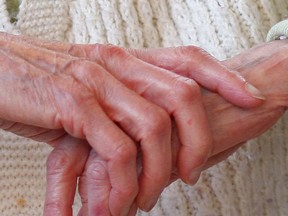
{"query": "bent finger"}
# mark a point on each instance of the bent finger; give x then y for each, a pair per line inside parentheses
(195, 63)
(64, 165)
(97, 185)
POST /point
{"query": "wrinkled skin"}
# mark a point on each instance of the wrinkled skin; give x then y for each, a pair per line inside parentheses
(106, 96)
(266, 66)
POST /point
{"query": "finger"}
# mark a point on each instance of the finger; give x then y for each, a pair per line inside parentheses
(115, 147)
(213, 160)
(64, 165)
(97, 185)
(197, 64)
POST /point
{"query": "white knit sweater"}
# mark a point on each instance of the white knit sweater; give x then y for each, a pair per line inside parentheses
(254, 181)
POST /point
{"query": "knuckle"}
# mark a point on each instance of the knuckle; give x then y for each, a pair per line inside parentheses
(193, 54)
(80, 73)
(85, 68)
(80, 68)
(189, 51)
(96, 171)
(157, 121)
(78, 50)
(57, 161)
(186, 89)
(125, 152)
(128, 192)
(112, 51)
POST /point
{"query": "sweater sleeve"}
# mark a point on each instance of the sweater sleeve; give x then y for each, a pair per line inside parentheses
(13, 8)
(277, 31)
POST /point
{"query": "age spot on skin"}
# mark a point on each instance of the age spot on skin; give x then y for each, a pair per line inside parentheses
(21, 202)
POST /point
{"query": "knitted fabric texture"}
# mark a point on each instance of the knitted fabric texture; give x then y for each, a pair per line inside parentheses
(253, 181)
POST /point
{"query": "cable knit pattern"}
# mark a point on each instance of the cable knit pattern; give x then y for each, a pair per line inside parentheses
(253, 181)
(45, 19)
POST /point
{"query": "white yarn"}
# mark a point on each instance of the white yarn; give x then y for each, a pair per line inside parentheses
(252, 182)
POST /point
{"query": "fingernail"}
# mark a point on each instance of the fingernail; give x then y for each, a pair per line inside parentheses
(150, 205)
(254, 91)
(194, 176)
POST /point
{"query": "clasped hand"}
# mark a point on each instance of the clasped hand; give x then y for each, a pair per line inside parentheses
(122, 104)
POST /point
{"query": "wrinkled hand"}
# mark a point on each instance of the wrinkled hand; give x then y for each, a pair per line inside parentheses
(117, 103)
(265, 65)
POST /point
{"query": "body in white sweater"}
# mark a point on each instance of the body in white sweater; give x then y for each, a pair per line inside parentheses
(252, 182)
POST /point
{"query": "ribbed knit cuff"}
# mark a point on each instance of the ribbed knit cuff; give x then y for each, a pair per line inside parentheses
(277, 31)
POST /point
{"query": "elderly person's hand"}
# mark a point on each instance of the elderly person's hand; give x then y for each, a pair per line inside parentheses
(265, 65)
(117, 103)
